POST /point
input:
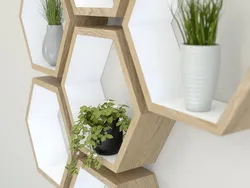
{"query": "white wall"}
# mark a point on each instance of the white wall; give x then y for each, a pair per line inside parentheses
(195, 159)
(190, 159)
(17, 163)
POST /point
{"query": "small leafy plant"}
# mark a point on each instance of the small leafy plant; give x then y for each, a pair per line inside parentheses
(198, 20)
(52, 11)
(92, 128)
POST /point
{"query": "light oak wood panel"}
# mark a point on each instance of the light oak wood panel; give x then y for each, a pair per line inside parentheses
(53, 85)
(137, 178)
(233, 119)
(71, 22)
(148, 131)
(118, 9)
(236, 116)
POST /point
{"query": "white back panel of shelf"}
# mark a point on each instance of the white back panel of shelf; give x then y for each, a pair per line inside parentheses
(94, 3)
(85, 70)
(113, 81)
(85, 179)
(88, 59)
(235, 43)
(47, 134)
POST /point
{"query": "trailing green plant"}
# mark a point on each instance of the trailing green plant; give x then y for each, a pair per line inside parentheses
(92, 128)
(52, 11)
(72, 167)
(198, 20)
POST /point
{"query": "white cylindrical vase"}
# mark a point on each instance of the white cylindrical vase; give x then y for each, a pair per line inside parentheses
(51, 43)
(201, 66)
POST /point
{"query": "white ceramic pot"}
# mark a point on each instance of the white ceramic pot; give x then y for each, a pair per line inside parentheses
(51, 43)
(201, 66)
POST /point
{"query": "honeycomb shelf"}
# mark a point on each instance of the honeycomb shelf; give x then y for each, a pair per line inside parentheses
(34, 29)
(99, 67)
(48, 126)
(137, 178)
(106, 8)
(153, 40)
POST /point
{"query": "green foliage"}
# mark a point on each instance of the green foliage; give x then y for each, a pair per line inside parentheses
(92, 127)
(198, 20)
(72, 167)
(52, 11)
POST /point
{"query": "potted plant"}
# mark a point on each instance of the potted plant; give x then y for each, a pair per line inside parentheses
(53, 14)
(200, 54)
(100, 130)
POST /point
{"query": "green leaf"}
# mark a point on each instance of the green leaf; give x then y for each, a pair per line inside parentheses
(118, 123)
(121, 128)
(92, 143)
(110, 120)
(88, 138)
(103, 139)
(94, 137)
(109, 136)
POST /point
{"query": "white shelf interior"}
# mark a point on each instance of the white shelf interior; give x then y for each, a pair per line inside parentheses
(159, 54)
(35, 27)
(48, 133)
(94, 75)
(217, 109)
(84, 179)
(94, 3)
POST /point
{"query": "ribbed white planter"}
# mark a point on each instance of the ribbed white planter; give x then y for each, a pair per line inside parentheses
(51, 43)
(201, 66)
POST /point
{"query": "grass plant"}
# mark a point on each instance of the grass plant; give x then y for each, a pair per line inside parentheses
(52, 11)
(198, 20)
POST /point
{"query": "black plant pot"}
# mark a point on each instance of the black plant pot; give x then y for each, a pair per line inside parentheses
(111, 146)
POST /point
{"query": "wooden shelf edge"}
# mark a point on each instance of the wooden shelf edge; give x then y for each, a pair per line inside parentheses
(184, 118)
(63, 47)
(235, 117)
(237, 114)
(136, 178)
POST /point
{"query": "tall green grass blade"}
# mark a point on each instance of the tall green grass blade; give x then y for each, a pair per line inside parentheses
(52, 11)
(198, 20)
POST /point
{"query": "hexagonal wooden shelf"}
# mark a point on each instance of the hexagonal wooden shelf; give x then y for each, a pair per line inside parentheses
(100, 67)
(48, 126)
(34, 28)
(106, 8)
(156, 54)
(136, 178)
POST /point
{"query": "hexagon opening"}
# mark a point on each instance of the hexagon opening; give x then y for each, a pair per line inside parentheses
(95, 75)
(35, 27)
(156, 44)
(48, 134)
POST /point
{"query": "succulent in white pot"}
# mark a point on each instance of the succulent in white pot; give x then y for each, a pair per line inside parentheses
(53, 14)
(200, 54)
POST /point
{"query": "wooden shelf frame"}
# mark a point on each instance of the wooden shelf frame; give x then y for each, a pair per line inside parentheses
(52, 87)
(71, 22)
(234, 117)
(136, 178)
(148, 131)
(57, 71)
(118, 9)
